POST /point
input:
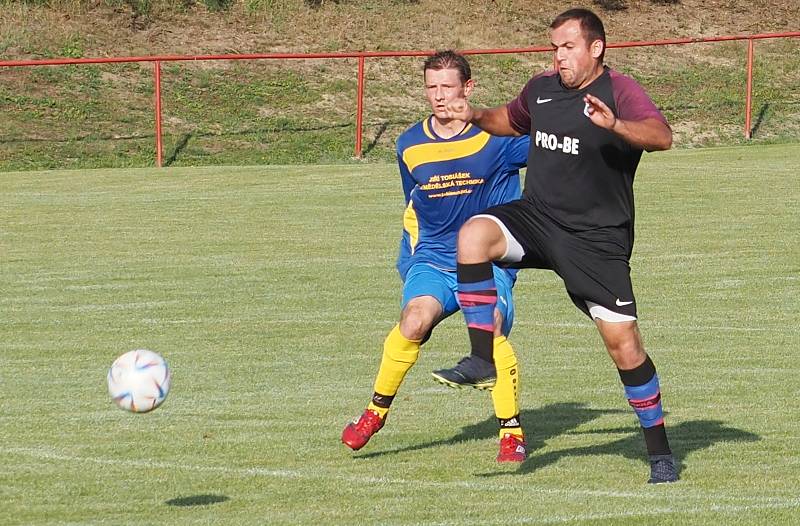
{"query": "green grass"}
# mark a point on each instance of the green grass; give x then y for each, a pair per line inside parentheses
(269, 291)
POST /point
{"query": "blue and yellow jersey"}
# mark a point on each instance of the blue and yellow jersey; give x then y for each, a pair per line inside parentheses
(447, 181)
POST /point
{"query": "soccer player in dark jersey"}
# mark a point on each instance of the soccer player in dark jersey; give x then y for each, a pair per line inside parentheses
(450, 170)
(588, 126)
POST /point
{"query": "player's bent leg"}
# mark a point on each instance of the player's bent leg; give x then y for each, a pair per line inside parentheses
(400, 352)
(623, 342)
(477, 296)
(480, 241)
(505, 395)
(505, 398)
(642, 389)
(419, 316)
(399, 355)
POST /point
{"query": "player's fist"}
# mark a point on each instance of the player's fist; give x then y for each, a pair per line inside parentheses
(459, 109)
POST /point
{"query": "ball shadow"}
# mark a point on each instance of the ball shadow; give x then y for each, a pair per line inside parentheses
(196, 500)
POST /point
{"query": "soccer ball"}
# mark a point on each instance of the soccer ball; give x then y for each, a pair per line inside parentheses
(138, 381)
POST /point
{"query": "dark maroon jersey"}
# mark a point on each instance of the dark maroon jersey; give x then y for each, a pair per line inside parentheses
(579, 174)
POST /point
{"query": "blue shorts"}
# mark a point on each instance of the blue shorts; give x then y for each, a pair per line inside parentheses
(425, 280)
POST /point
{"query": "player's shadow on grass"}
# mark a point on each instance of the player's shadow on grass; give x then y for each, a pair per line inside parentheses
(196, 500)
(549, 421)
(685, 438)
(555, 420)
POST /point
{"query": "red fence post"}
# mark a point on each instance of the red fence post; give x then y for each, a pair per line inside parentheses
(360, 105)
(157, 89)
(748, 105)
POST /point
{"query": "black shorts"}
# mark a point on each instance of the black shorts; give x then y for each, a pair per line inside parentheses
(593, 264)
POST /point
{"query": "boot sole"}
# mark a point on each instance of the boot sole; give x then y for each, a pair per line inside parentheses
(483, 386)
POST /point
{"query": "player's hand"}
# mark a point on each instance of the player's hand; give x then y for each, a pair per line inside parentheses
(459, 109)
(599, 113)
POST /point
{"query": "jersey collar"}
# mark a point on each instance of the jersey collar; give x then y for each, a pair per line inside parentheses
(427, 128)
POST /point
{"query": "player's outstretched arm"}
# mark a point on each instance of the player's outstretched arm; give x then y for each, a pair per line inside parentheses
(492, 120)
(648, 134)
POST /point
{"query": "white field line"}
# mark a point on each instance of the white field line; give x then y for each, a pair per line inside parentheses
(650, 492)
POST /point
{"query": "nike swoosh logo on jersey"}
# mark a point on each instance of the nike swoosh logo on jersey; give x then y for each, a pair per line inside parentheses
(622, 303)
(542, 101)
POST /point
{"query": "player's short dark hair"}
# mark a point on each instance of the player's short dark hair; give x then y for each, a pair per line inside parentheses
(591, 25)
(449, 59)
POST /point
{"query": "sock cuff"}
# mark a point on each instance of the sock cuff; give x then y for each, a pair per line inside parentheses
(400, 348)
(639, 375)
(382, 401)
(512, 422)
(474, 272)
(397, 337)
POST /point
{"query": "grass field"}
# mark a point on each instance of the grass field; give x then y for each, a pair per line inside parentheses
(269, 291)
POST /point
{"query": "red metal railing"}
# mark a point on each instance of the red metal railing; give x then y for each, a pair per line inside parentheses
(363, 55)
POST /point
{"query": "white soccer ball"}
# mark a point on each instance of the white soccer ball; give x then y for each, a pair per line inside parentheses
(138, 381)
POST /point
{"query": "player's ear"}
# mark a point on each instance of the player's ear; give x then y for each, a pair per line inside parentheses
(597, 48)
(468, 86)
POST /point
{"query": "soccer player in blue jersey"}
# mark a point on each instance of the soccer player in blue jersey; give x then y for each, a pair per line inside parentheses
(588, 126)
(450, 170)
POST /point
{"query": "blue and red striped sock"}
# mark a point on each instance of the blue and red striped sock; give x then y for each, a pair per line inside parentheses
(644, 396)
(477, 295)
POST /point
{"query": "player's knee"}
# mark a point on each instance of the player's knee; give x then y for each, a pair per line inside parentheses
(414, 323)
(627, 353)
(480, 239)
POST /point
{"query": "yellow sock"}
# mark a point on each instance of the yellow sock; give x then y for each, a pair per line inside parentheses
(505, 395)
(399, 354)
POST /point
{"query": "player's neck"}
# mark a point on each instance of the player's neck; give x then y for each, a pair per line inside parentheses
(598, 70)
(446, 129)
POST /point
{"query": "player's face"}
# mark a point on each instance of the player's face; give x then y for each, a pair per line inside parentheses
(443, 86)
(577, 59)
